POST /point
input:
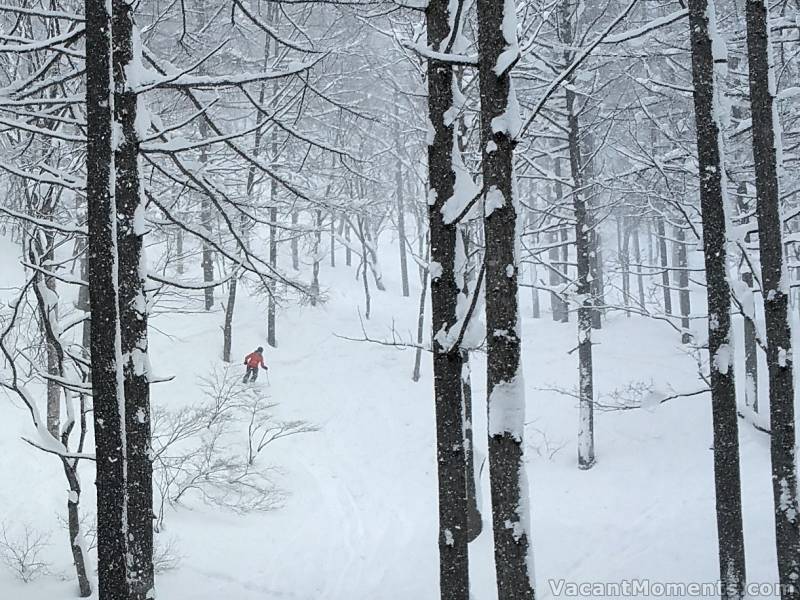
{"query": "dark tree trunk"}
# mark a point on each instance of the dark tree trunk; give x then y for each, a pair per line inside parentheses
(720, 348)
(506, 393)
(583, 289)
(474, 519)
(662, 254)
(750, 353)
(682, 276)
(775, 292)
(447, 361)
(365, 265)
(227, 327)
(106, 385)
(595, 242)
(133, 314)
(76, 539)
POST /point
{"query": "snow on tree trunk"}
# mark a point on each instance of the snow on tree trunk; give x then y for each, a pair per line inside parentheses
(447, 358)
(595, 241)
(775, 283)
(107, 378)
(131, 124)
(707, 48)
(500, 124)
(583, 292)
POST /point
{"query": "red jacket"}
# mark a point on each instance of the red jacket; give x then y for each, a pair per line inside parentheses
(254, 360)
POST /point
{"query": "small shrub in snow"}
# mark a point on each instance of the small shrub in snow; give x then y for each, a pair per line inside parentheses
(199, 450)
(22, 552)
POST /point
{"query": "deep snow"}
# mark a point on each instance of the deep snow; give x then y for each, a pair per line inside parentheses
(360, 520)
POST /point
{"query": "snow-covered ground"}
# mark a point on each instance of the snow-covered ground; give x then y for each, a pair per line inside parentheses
(360, 518)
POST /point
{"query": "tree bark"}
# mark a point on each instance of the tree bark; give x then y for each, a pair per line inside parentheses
(583, 289)
(109, 409)
(682, 276)
(447, 361)
(766, 148)
(702, 26)
(664, 259)
(227, 327)
(132, 312)
(497, 40)
(558, 305)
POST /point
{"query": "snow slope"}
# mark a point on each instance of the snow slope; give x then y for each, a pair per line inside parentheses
(360, 520)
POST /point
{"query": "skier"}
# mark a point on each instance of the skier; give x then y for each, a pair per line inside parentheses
(252, 361)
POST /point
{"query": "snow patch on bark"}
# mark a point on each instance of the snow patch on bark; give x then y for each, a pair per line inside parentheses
(507, 408)
(494, 200)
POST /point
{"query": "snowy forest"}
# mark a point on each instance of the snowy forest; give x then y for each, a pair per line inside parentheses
(399, 299)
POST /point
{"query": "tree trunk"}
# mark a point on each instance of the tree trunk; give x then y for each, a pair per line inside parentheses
(227, 328)
(662, 253)
(295, 236)
(207, 224)
(506, 391)
(557, 303)
(348, 254)
(583, 245)
(702, 27)
(401, 211)
(750, 353)
(314, 291)
(107, 389)
(447, 361)
(625, 258)
(766, 148)
(132, 312)
(637, 256)
(682, 276)
(420, 328)
(333, 239)
(595, 241)
(474, 519)
(273, 261)
(365, 264)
